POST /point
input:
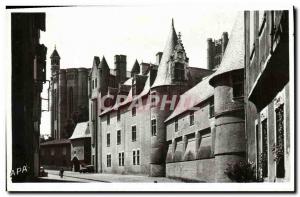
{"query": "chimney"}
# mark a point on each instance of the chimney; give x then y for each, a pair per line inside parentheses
(158, 57)
(120, 66)
(210, 54)
(224, 42)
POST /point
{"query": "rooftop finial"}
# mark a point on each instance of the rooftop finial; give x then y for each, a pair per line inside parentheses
(172, 22)
(55, 46)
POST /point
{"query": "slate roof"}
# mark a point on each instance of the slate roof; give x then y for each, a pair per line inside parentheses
(55, 142)
(136, 67)
(193, 97)
(54, 54)
(163, 74)
(129, 98)
(233, 58)
(103, 63)
(81, 131)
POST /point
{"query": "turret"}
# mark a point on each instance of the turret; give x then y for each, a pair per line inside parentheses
(171, 80)
(229, 104)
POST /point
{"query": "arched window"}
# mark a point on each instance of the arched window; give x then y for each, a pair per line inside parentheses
(179, 72)
(70, 101)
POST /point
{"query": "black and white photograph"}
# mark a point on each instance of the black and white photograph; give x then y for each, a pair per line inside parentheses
(150, 98)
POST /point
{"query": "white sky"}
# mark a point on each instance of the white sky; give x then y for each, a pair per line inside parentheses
(138, 32)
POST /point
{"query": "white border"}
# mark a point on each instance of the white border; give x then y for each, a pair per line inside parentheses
(255, 4)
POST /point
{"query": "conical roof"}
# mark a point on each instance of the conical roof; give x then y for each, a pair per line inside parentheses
(164, 73)
(135, 67)
(54, 54)
(233, 58)
(103, 63)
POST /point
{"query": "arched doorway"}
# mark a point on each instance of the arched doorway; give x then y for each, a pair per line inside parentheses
(76, 164)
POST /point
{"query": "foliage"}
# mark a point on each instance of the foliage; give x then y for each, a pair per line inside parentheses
(278, 152)
(241, 171)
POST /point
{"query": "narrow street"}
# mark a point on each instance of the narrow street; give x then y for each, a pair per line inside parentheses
(69, 176)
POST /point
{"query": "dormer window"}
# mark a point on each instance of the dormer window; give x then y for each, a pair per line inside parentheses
(133, 87)
(180, 54)
(179, 72)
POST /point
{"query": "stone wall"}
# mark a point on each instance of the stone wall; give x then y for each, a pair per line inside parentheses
(197, 170)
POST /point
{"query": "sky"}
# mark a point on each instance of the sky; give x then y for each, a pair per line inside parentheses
(139, 32)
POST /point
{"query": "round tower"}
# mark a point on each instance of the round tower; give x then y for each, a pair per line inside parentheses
(228, 83)
(170, 83)
(55, 66)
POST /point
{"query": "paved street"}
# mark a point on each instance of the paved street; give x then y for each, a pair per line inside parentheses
(97, 177)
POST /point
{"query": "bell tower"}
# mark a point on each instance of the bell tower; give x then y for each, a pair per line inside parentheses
(55, 61)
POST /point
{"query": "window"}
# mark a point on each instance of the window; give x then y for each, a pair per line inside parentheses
(96, 83)
(118, 115)
(238, 85)
(92, 84)
(108, 160)
(133, 157)
(192, 118)
(121, 159)
(153, 127)
(134, 86)
(108, 139)
(280, 171)
(257, 148)
(118, 136)
(211, 108)
(265, 162)
(176, 125)
(64, 151)
(138, 157)
(108, 119)
(179, 72)
(133, 111)
(133, 133)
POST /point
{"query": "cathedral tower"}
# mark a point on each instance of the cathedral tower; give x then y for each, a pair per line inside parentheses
(55, 67)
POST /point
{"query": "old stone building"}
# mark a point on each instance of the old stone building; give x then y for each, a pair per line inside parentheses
(267, 89)
(216, 50)
(69, 106)
(80, 146)
(28, 57)
(69, 89)
(56, 154)
(195, 140)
